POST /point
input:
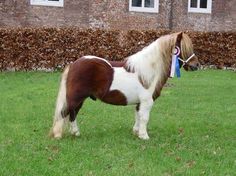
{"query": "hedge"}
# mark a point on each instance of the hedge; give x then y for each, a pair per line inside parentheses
(53, 48)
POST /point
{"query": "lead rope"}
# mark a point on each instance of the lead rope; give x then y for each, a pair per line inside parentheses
(185, 62)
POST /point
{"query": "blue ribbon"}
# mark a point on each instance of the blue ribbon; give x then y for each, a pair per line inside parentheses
(177, 67)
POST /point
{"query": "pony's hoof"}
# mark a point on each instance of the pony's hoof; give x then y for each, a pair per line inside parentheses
(143, 136)
(57, 136)
(75, 133)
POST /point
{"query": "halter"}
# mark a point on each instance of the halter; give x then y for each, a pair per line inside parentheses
(175, 67)
(186, 62)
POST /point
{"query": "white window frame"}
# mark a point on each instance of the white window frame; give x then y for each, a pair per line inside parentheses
(59, 3)
(154, 9)
(198, 9)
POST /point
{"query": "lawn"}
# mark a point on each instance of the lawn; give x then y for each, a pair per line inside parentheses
(192, 130)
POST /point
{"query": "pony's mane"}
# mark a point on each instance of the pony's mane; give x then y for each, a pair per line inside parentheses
(168, 43)
(154, 60)
(186, 46)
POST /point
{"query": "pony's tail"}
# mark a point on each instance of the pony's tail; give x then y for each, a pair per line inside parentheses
(61, 110)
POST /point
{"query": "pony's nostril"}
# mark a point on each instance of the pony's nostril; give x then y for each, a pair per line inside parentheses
(193, 68)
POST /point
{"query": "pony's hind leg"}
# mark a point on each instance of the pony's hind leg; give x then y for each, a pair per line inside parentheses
(74, 129)
(58, 124)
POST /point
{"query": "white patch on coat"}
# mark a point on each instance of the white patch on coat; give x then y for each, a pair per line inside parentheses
(147, 63)
(95, 57)
(129, 84)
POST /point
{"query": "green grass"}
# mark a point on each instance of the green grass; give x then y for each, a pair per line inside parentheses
(192, 130)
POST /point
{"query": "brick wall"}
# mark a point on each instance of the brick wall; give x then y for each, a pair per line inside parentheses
(19, 13)
(114, 14)
(222, 18)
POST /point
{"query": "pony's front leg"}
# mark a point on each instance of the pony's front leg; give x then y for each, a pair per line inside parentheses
(144, 112)
(137, 119)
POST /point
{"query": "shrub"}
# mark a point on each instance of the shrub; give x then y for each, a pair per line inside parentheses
(53, 48)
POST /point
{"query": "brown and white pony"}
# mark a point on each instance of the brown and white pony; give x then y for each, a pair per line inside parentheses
(138, 80)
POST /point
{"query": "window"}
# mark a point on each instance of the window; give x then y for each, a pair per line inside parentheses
(199, 6)
(144, 6)
(58, 3)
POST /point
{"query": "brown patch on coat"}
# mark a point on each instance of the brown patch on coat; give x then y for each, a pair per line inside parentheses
(91, 78)
(164, 77)
(122, 64)
(114, 97)
(117, 63)
(159, 86)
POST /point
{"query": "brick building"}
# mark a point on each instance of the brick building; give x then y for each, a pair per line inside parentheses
(198, 15)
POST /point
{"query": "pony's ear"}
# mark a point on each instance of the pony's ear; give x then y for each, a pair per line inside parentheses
(179, 37)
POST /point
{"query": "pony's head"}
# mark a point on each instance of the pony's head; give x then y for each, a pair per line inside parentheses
(188, 59)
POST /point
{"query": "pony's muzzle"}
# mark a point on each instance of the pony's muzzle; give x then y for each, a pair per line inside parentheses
(194, 67)
(192, 63)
